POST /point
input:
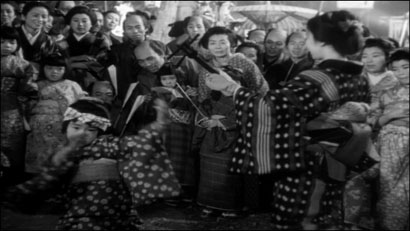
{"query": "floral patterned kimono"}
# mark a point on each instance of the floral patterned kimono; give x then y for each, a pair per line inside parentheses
(217, 188)
(387, 80)
(393, 146)
(104, 182)
(16, 76)
(46, 121)
(273, 139)
(359, 195)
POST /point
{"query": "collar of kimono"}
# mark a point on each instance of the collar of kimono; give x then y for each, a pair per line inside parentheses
(95, 121)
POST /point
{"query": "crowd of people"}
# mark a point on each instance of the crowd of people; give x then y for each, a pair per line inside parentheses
(311, 126)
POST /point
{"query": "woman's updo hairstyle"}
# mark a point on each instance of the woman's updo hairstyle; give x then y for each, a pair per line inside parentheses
(337, 28)
(80, 10)
(380, 43)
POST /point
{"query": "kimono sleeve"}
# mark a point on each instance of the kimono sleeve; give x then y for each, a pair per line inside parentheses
(254, 78)
(272, 126)
(146, 168)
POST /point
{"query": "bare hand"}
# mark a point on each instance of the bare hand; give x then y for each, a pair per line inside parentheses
(147, 98)
(222, 82)
(192, 91)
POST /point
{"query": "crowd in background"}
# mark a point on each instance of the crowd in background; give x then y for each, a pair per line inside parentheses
(70, 85)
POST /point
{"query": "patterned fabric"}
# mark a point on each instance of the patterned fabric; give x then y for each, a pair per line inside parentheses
(268, 143)
(388, 81)
(303, 196)
(218, 189)
(109, 204)
(16, 87)
(217, 186)
(393, 146)
(178, 145)
(251, 77)
(359, 199)
(389, 178)
(388, 100)
(95, 121)
(273, 142)
(393, 199)
(46, 121)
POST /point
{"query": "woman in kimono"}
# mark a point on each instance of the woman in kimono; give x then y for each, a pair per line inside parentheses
(218, 190)
(103, 178)
(55, 93)
(274, 134)
(17, 87)
(35, 42)
(392, 117)
(359, 209)
(83, 47)
(375, 56)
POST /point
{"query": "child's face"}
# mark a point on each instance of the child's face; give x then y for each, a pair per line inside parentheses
(54, 73)
(195, 26)
(400, 69)
(168, 81)
(8, 46)
(251, 53)
(80, 131)
(80, 24)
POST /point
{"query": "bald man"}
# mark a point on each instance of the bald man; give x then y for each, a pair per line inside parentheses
(275, 42)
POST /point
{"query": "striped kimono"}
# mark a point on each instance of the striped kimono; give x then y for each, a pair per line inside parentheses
(272, 140)
(218, 189)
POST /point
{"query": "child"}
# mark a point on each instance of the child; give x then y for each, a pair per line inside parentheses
(105, 177)
(55, 94)
(179, 132)
(16, 84)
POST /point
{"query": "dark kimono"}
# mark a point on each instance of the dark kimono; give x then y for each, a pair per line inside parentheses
(278, 74)
(91, 48)
(217, 188)
(16, 74)
(104, 182)
(43, 46)
(272, 140)
(178, 136)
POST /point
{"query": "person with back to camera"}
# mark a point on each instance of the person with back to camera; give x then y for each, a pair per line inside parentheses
(274, 126)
